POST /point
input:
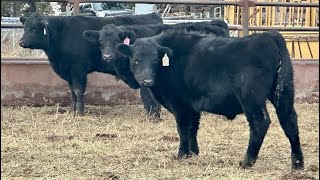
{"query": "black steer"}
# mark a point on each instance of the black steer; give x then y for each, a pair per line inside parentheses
(70, 55)
(189, 73)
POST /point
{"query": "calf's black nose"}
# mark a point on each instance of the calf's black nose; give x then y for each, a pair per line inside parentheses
(21, 43)
(148, 82)
(106, 57)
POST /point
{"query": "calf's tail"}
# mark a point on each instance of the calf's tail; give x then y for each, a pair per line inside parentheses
(285, 71)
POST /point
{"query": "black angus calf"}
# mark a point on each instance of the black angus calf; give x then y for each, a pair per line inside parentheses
(110, 35)
(70, 55)
(189, 73)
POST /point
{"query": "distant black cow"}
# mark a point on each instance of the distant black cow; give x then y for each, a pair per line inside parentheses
(70, 55)
(189, 73)
(110, 35)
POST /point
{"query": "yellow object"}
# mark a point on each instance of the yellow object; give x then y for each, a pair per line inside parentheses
(300, 44)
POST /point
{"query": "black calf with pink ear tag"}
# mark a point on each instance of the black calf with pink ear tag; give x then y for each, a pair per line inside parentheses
(127, 36)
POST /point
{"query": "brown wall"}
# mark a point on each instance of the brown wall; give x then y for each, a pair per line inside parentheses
(36, 84)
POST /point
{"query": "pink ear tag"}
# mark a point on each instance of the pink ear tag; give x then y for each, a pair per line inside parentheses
(126, 41)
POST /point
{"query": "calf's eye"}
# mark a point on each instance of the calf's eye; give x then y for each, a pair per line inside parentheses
(136, 61)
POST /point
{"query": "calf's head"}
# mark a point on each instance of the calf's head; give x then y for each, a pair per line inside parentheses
(107, 39)
(36, 33)
(145, 59)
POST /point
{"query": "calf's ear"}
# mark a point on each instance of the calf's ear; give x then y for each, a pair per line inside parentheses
(127, 36)
(91, 35)
(165, 50)
(23, 19)
(124, 49)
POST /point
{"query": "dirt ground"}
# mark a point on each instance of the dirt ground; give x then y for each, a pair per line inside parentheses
(120, 142)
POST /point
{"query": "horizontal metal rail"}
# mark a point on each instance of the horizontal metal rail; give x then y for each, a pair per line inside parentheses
(266, 28)
(286, 4)
(11, 25)
(24, 60)
(193, 2)
(44, 60)
(231, 27)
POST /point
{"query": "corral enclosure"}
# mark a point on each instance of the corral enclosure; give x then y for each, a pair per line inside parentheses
(119, 142)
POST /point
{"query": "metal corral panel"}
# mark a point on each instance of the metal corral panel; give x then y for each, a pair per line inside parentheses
(35, 83)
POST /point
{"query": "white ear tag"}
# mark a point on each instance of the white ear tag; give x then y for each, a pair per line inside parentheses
(44, 31)
(165, 60)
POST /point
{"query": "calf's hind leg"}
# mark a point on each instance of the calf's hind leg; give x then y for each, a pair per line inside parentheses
(288, 120)
(259, 122)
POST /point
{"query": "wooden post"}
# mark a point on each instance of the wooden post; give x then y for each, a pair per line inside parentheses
(76, 7)
(245, 17)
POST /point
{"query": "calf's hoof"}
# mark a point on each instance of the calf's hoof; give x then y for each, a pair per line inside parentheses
(297, 164)
(183, 155)
(246, 164)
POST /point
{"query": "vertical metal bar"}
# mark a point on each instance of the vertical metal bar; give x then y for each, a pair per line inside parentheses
(293, 50)
(308, 14)
(238, 14)
(309, 47)
(268, 16)
(285, 17)
(289, 15)
(298, 14)
(231, 14)
(313, 15)
(299, 47)
(258, 20)
(13, 39)
(76, 7)
(281, 15)
(273, 15)
(245, 18)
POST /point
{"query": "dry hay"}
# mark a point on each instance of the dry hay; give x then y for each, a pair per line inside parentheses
(119, 142)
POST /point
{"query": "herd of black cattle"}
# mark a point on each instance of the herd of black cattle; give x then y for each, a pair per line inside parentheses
(187, 68)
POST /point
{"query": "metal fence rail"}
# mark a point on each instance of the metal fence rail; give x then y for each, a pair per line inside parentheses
(244, 4)
(231, 27)
(192, 2)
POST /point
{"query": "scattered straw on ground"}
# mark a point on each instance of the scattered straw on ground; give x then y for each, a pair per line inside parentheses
(119, 142)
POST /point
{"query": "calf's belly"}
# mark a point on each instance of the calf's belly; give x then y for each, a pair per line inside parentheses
(228, 106)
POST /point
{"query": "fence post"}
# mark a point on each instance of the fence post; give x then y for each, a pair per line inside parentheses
(76, 7)
(245, 17)
(13, 39)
